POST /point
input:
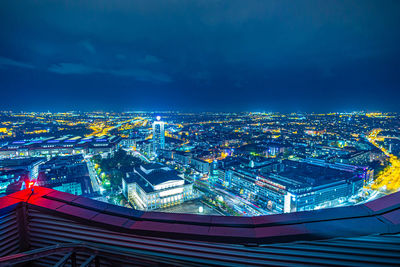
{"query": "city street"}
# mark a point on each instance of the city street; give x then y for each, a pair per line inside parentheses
(239, 204)
(242, 204)
(389, 180)
(96, 184)
(141, 156)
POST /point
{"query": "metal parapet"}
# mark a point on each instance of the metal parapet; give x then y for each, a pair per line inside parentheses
(49, 220)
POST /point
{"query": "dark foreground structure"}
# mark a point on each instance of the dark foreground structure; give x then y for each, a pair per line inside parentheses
(47, 227)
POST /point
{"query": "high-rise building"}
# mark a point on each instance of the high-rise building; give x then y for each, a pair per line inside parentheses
(158, 135)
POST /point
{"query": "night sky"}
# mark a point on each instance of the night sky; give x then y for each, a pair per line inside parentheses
(200, 55)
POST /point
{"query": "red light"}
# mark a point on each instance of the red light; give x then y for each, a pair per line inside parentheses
(29, 184)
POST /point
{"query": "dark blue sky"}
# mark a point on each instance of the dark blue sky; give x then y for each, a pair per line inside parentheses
(200, 55)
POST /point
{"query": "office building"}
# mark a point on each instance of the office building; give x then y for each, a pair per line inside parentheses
(200, 165)
(302, 185)
(65, 145)
(158, 135)
(29, 164)
(67, 174)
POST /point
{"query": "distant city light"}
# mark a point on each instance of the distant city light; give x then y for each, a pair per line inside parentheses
(244, 164)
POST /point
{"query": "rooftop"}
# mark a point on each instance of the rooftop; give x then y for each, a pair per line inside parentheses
(64, 141)
(157, 174)
(18, 162)
(64, 227)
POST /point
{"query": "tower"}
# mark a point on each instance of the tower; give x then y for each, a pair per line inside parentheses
(158, 135)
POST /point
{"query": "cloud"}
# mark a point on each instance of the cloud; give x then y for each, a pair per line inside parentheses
(89, 47)
(138, 74)
(151, 59)
(72, 68)
(143, 75)
(4, 62)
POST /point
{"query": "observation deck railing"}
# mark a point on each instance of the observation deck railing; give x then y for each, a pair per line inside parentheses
(48, 227)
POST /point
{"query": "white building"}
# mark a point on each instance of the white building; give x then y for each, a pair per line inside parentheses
(153, 186)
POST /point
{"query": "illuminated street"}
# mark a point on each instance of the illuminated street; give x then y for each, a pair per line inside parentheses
(96, 184)
(389, 180)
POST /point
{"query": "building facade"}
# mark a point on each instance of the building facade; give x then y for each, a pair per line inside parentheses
(300, 186)
(68, 174)
(200, 165)
(66, 145)
(153, 186)
(158, 135)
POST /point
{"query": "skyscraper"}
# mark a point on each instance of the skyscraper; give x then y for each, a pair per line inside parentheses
(158, 135)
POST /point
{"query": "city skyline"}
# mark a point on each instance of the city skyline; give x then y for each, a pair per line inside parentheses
(164, 112)
(250, 163)
(199, 133)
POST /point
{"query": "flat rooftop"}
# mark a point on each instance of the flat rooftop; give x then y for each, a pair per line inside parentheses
(313, 175)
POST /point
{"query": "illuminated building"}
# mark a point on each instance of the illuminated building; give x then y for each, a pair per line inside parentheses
(213, 176)
(153, 186)
(12, 180)
(29, 164)
(167, 154)
(66, 145)
(182, 157)
(144, 146)
(67, 174)
(300, 186)
(200, 165)
(158, 135)
(14, 173)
